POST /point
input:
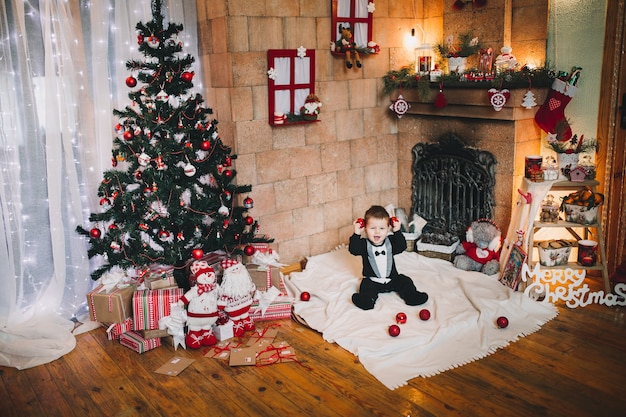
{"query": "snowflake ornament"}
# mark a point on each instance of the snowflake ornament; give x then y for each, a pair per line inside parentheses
(301, 52)
(400, 106)
(271, 73)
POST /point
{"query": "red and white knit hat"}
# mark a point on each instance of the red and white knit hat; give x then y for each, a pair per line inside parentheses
(227, 263)
(200, 267)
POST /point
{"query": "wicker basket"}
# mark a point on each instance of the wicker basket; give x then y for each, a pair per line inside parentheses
(436, 251)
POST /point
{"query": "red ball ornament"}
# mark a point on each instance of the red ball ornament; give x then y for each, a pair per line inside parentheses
(164, 234)
(228, 161)
(248, 203)
(138, 175)
(187, 76)
(197, 253)
(249, 220)
(393, 220)
(131, 81)
(249, 250)
(502, 322)
(228, 174)
(112, 226)
(361, 222)
(205, 145)
(105, 201)
(237, 237)
(394, 330)
(305, 296)
(95, 233)
(128, 135)
(424, 314)
(400, 318)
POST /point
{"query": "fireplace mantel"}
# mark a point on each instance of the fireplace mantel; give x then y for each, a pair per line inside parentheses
(472, 103)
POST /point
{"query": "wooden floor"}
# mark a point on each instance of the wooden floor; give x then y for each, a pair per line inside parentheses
(574, 366)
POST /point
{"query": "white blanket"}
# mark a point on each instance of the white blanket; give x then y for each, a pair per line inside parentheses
(464, 307)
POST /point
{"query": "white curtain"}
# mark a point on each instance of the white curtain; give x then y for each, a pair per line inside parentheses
(62, 71)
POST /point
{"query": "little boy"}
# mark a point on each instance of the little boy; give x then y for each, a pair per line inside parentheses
(379, 269)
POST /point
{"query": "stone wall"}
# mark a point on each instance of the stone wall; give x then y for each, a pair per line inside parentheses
(310, 181)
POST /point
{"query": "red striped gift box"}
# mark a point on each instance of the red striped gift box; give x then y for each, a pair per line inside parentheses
(280, 308)
(151, 305)
(115, 330)
(137, 343)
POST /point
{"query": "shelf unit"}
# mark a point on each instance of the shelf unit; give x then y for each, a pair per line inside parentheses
(588, 231)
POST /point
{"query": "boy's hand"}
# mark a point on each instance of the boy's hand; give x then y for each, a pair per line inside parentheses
(359, 224)
(395, 224)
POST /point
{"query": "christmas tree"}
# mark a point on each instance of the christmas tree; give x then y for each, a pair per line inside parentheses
(171, 195)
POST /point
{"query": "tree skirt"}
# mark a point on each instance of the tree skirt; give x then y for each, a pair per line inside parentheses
(462, 328)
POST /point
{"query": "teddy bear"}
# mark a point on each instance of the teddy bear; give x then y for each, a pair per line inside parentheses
(236, 295)
(347, 45)
(480, 249)
(201, 303)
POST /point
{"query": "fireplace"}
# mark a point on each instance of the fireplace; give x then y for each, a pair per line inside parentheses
(452, 185)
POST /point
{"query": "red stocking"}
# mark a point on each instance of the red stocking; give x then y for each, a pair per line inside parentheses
(551, 114)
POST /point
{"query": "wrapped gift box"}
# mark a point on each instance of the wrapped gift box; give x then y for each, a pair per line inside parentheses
(280, 308)
(151, 305)
(138, 343)
(159, 276)
(224, 331)
(265, 277)
(115, 330)
(112, 306)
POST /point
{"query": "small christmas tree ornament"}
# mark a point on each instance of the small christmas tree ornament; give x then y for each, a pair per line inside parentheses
(223, 210)
(143, 159)
(248, 203)
(187, 76)
(400, 106)
(441, 101)
(498, 98)
(528, 102)
(249, 250)
(153, 42)
(95, 233)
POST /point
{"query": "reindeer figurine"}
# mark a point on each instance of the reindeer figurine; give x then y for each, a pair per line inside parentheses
(347, 45)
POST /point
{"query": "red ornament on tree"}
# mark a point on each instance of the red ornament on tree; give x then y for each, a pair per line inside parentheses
(228, 174)
(197, 253)
(249, 220)
(131, 81)
(248, 203)
(249, 250)
(205, 145)
(228, 161)
(128, 135)
(187, 76)
(95, 233)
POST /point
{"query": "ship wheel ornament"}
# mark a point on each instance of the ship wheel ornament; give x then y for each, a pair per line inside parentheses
(400, 106)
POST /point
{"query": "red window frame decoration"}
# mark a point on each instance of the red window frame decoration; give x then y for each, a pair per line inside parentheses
(291, 83)
(357, 15)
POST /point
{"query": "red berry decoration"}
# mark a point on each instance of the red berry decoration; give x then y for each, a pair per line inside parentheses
(305, 296)
(249, 250)
(95, 233)
(400, 318)
(249, 220)
(502, 322)
(424, 314)
(197, 253)
(128, 135)
(205, 145)
(187, 76)
(394, 330)
(131, 81)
